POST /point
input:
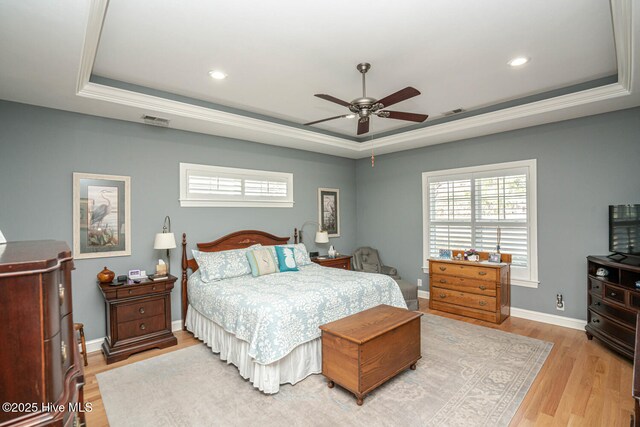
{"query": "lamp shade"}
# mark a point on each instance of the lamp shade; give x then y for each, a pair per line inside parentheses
(164, 241)
(322, 237)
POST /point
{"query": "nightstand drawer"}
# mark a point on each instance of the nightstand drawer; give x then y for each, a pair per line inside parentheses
(139, 327)
(140, 310)
(469, 271)
(463, 284)
(464, 299)
(135, 290)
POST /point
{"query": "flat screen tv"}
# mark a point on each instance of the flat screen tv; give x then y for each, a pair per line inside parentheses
(624, 229)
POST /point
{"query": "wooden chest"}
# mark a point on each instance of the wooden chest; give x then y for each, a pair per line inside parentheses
(474, 289)
(362, 351)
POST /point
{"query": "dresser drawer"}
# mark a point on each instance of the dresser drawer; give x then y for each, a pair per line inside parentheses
(614, 294)
(612, 311)
(611, 329)
(464, 285)
(139, 327)
(465, 299)
(140, 309)
(466, 270)
(135, 290)
(596, 286)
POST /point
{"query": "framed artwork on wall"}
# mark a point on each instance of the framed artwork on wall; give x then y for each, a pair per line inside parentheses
(101, 215)
(329, 210)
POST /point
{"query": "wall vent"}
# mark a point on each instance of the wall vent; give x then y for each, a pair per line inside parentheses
(452, 112)
(155, 121)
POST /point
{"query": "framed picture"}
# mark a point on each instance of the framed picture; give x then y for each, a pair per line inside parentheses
(495, 257)
(446, 254)
(329, 210)
(101, 215)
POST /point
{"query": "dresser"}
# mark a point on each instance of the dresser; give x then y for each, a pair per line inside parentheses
(39, 359)
(340, 261)
(138, 317)
(480, 290)
(613, 302)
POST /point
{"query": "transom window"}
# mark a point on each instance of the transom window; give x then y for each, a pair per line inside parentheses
(475, 207)
(203, 185)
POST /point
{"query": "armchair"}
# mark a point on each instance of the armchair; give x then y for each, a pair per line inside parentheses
(367, 260)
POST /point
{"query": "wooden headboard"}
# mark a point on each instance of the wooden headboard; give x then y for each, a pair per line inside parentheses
(237, 240)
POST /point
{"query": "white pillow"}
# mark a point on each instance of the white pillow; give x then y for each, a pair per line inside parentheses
(224, 264)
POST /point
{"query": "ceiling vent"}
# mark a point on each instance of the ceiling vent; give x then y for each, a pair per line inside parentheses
(452, 112)
(155, 121)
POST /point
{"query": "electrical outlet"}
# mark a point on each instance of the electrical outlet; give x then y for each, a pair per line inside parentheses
(560, 302)
(419, 283)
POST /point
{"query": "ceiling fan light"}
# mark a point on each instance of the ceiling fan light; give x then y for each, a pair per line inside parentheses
(516, 62)
(217, 74)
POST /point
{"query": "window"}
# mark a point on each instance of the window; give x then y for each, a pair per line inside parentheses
(202, 185)
(470, 207)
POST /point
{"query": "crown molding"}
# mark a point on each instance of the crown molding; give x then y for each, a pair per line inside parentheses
(206, 120)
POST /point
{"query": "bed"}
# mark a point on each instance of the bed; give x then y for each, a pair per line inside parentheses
(267, 326)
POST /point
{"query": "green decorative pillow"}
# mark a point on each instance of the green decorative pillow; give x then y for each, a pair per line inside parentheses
(262, 262)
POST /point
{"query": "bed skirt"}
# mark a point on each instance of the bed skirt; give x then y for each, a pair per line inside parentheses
(304, 360)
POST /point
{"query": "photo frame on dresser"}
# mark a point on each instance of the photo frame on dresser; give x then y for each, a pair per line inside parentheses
(101, 215)
(329, 210)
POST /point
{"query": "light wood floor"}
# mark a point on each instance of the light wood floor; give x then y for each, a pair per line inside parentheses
(581, 383)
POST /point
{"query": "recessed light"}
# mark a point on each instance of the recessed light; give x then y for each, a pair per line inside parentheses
(516, 62)
(350, 116)
(217, 74)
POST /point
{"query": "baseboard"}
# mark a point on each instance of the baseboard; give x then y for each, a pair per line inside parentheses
(423, 294)
(553, 319)
(96, 345)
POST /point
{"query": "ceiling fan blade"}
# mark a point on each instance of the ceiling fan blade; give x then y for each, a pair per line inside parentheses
(399, 115)
(326, 120)
(333, 99)
(363, 126)
(399, 96)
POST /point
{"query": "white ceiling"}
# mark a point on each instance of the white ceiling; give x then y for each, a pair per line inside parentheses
(278, 54)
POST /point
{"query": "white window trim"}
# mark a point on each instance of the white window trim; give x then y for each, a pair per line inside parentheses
(192, 202)
(532, 206)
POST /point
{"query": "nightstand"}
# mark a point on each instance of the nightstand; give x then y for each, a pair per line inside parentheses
(138, 317)
(341, 261)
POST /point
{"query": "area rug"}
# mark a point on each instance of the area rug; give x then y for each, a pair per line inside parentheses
(468, 376)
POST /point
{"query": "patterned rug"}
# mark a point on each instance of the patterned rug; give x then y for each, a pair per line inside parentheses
(468, 376)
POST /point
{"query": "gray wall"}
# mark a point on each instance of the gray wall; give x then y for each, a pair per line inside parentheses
(584, 165)
(41, 148)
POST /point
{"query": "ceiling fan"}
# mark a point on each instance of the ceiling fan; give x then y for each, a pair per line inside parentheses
(365, 107)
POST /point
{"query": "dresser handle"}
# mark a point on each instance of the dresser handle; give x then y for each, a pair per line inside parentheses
(596, 320)
(61, 293)
(63, 352)
(443, 295)
(482, 287)
(597, 303)
(142, 326)
(613, 294)
(442, 268)
(483, 303)
(443, 280)
(482, 273)
(130, 291)
(153, 288)
(141, 311)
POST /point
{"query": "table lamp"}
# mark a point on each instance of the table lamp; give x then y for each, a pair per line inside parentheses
(165, 240)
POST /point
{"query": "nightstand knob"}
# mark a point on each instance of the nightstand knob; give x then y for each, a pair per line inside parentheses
(443, 268)
(483, 303)
(141, 310)
(482, 273)
(443, 295)
(443, 280)
(596, 320)
(482, 287)
(142, 326)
